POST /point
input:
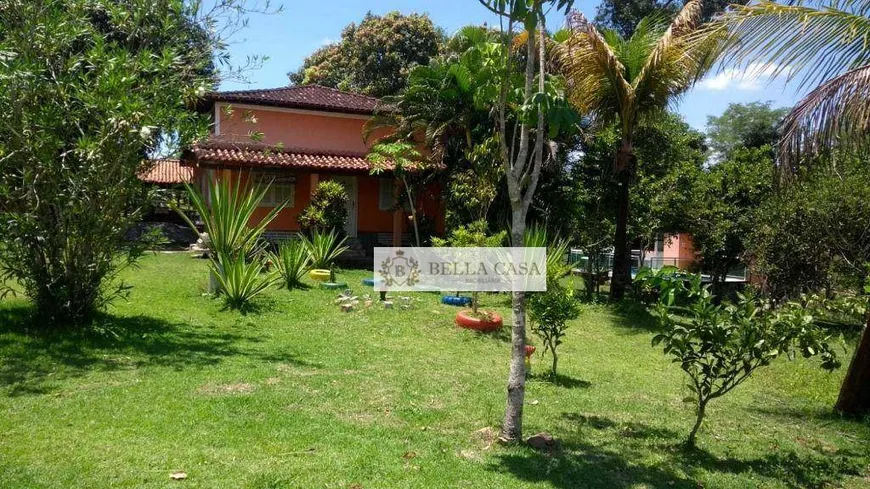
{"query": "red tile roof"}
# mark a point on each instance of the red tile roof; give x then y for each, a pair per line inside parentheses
(166, 172)
(312, 97)
(262, 155)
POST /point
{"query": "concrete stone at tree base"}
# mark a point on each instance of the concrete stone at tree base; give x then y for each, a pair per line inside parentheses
(542, 441)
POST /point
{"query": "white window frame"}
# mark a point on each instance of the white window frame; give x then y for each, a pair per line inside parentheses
(271, 199)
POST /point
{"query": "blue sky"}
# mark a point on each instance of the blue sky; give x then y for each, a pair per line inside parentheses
(304, 25)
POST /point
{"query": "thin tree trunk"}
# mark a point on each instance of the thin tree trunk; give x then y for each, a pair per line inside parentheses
(512, 427)
(621, 253)
(555, 360)
(702, 408)
(413, 210)
(854, 399)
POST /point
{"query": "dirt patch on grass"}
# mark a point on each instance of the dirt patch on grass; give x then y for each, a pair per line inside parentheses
(219, 389)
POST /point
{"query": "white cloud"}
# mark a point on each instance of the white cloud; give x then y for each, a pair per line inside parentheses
(327, 41)
(753, 77)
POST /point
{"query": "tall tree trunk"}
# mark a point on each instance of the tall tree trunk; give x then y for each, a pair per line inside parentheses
(622, 252)
(854, 397)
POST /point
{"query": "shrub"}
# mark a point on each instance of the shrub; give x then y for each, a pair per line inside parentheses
(239, 279)
(327, 209)
(550, 311)
(87, 89)
(292, 262)
(324, 248)
(720, 345)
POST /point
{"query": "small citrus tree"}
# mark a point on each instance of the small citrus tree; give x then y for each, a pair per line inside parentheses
(472, 235)
(550, 311)
(720, 345)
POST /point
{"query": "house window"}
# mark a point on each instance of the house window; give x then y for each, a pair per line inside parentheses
(387, 200)
(281, 188)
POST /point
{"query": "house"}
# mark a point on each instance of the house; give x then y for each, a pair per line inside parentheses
(166, 173)
(296, 137)
(169, 177)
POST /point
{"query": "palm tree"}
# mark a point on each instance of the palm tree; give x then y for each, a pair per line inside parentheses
(627, 81)
(825, 44)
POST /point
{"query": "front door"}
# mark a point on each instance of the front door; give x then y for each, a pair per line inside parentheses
(350, 185)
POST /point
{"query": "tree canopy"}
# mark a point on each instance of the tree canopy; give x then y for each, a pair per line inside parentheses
(751, 125)
(373, 57)
(87, 91)
(623, 16)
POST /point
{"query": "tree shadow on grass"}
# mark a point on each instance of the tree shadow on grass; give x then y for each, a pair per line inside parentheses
(33, 359)
(561, 380)
(632, 315)
(620, 456)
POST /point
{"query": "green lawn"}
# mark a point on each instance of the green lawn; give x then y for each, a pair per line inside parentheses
(299, 394)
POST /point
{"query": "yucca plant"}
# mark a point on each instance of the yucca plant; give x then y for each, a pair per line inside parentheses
(292, 262)
(324, 249)
(226, 216)
(231, 239)
(239, 279)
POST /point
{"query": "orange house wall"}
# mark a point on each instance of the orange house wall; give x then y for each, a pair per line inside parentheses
(336, 133)
(296, 129)
(370, 218)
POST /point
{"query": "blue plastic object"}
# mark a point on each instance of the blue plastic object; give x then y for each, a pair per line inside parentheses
(455, 300)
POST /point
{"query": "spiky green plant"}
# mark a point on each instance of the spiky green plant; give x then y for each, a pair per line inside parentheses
(226, 216)
(239, 279)
(292, 262)
(324, 249)
(235, 247)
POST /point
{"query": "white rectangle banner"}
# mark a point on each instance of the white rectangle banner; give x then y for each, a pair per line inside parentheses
(461, 269)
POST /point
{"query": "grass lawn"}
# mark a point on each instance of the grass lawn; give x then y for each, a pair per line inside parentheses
(299, 394)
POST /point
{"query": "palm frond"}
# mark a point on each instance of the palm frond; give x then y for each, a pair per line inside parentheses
(596, 85)
(798, 41)
(675, 63)
(834, 115)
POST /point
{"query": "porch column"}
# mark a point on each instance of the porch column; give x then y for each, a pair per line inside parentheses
(398, 217)
(315, 179)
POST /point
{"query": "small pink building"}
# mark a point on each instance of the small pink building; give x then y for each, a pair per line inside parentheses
(672, 250)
